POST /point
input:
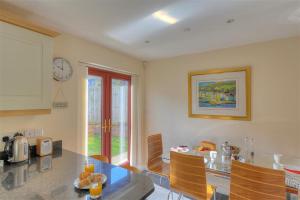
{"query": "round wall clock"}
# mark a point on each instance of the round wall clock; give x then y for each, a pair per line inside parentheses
(62, 69)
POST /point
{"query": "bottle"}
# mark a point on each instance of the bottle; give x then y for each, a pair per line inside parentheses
(246, 148)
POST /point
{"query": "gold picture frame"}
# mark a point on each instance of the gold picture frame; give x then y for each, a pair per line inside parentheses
(216, 72)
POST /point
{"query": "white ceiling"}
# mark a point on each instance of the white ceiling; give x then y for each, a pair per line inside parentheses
(125, 25)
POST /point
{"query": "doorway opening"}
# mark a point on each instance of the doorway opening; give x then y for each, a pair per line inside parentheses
(109, 115)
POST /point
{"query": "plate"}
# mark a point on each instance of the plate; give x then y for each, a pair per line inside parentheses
(77, 180)
(292, 169)
(180, 149)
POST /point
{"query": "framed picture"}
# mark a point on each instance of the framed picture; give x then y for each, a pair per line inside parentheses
(220, 94)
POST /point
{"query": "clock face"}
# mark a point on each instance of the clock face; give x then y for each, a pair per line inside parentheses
(62, 69)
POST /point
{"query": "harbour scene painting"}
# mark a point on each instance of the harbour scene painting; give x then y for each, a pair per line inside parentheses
(217, 94)
(220, 93)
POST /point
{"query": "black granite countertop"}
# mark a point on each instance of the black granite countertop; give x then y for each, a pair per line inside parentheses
(51, 177)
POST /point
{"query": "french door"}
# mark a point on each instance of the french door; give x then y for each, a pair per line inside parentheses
(109, 115)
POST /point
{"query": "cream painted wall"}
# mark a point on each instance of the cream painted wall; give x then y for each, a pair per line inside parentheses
(275, 98)
(66, 124)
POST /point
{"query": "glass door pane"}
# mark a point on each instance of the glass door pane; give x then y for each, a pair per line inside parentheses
(95, 92)
(119, 121)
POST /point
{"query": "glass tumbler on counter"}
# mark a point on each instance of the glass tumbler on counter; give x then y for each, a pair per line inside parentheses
(96, 190)
(89, 168)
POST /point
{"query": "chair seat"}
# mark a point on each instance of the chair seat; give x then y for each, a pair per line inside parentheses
(159, 167)
(210, 189)
(131, 168)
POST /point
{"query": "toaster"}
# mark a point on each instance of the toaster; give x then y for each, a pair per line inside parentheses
(44, 146)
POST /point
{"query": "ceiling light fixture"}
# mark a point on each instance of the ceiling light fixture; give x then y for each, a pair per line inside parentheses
(163, 16)
(230, 21)
(187, 29)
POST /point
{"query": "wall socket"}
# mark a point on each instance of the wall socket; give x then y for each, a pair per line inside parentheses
(28, 132)
(33, 132)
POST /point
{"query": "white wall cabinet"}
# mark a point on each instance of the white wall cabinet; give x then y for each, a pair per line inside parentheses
(25, 69)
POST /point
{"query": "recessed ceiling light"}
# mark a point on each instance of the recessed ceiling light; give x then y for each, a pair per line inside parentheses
(187, 29)
(230, 21)
(163, 16)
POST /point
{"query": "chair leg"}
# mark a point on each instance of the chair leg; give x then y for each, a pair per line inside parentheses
(170, 193)
(179, 196)
(147, 173)
(160, 180)
(215, 193)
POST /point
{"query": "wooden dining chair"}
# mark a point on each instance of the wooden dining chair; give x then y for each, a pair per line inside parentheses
(207, 146)
(155, 163)
(131, 168)
(101, 158)
(256, 183)
(188, 177)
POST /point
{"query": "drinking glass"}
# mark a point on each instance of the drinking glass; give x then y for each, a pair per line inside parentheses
(213, 155)
(89, 168)
(96, 189)
(251, 146)
(246, 148)
(277, 158)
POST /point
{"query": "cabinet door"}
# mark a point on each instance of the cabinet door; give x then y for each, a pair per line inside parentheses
(25, 69)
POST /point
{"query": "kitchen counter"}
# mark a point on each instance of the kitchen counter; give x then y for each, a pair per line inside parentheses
(52, 177)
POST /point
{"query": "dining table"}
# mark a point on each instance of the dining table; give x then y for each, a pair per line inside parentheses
(221, 165)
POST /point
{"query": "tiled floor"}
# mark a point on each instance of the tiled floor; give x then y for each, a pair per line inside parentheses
(161, 191)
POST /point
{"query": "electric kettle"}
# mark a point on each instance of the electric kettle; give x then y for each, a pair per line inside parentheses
(16, 148)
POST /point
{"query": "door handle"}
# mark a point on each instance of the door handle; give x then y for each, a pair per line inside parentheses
(104, 126)
(109, 124)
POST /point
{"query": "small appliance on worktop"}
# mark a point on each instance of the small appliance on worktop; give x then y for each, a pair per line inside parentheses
(16, 148)
(44, 146)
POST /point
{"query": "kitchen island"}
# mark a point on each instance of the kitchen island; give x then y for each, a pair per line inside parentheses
(51, 177)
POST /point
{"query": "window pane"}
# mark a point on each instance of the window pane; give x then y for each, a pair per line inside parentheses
(119, 121)
(94, 115)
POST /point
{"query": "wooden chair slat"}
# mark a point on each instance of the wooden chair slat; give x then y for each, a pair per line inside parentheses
(192, 160)
(188, 169)
(101, 158)
(256, 183)
(259, 169)
(187, 175)
(254, 194)
(155, 151)
(131, 168)
(258, 177)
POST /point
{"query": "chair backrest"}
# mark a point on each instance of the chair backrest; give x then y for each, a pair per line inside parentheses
(207, 146)
(187, 175)
(101, 158)
(155, 148)
(131, 168)
(256, 183)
